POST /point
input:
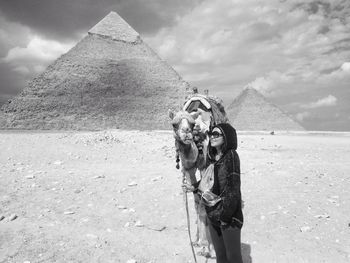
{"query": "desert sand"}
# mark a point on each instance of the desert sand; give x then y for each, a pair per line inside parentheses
(115, 196)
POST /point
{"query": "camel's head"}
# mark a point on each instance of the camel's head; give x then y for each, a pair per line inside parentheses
(183, 124)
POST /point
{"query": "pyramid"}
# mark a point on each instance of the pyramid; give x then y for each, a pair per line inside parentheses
(110, 79)
(250, 111)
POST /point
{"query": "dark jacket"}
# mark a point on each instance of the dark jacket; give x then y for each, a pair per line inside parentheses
(227, 182)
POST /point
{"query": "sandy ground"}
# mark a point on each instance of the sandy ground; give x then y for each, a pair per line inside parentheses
(115, 196)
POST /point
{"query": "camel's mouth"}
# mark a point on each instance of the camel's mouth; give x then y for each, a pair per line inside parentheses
(187, 140)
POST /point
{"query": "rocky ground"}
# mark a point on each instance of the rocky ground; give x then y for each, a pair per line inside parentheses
(115, 196)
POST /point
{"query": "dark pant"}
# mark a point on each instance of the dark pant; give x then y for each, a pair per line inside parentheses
(227, 243)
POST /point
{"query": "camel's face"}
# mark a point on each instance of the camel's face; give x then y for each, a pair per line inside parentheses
(184, 132)
(183, 124)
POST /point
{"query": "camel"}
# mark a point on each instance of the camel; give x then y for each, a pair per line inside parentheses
(190, 126)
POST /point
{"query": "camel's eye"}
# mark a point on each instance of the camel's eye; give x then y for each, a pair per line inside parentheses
(185, 130)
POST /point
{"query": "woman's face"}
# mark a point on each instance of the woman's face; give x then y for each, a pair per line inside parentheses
(216, 138)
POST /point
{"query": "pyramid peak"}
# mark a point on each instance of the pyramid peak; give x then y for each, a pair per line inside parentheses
(246, 92)
(114, 27)
(250, 88)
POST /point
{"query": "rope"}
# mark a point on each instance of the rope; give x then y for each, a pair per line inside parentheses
(188, 220)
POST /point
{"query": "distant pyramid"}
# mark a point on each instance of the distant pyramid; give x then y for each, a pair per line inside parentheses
(110, 79)
(251, 111)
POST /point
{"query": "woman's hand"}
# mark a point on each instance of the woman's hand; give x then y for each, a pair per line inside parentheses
(224, 225)
(188, 188)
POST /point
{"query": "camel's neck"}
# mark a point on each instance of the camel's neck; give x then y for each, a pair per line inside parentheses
(186, 149)
(188, 154)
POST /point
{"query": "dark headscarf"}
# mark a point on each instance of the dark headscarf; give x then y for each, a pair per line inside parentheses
(230, 136)
(230, 139)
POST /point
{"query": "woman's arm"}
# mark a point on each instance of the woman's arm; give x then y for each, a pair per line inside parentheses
(191, 187)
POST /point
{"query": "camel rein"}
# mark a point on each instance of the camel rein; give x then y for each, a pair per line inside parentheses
(186, 202)
(188, 219)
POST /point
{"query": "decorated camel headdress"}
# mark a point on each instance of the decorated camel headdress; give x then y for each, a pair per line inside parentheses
(207, 103)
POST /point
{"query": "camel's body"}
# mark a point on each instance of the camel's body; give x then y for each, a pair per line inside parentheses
(192, 150)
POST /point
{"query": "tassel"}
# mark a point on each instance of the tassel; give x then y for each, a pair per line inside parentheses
(177, 159)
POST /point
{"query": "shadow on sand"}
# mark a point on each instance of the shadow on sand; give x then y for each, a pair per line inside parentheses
(246, 250)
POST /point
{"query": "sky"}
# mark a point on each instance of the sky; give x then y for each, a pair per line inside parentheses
(296, 53)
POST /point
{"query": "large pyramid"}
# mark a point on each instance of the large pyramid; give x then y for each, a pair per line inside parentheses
(250, 111)
(110, 79)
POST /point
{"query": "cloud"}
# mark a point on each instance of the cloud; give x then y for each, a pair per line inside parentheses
(339, 75)
(261, 84)
(302, 116)
(346, 67)
(23, 55)
(22, 63)
(35, 56)
(269, 84)
(328, 101)
(12, 34)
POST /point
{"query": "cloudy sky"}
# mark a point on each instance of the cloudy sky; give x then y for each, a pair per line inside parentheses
(297, 53)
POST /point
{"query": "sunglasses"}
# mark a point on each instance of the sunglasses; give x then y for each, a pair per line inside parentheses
(214, 134)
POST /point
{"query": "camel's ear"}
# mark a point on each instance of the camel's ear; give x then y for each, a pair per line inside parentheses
(171, 114)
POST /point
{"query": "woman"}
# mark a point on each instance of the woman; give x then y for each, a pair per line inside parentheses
(222, 201)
